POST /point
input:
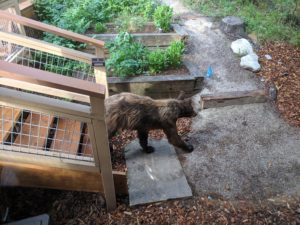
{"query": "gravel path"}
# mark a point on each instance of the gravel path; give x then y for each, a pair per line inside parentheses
(241, 152)
(208, 46)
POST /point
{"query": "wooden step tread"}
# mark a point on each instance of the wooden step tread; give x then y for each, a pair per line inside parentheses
(8, 118)
(87, 149)
(67, 136)
(35, 131)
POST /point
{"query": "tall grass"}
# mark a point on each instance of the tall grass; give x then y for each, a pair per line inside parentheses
(268, 19)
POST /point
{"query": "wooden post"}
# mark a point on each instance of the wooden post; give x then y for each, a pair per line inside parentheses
(100, 72)
(101, 151)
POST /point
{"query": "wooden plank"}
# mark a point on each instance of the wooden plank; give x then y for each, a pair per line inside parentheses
(102, 151)
(232, 98)
(147, 39)
(48, 79)
(87, 149)
(46, 105)
(100, 72)
(19, 154)
(36, 162)
(67, 136)
(8, 118)
(46, 47)
(35, 131)
(44, 176)
(51, 29)
(120, 180)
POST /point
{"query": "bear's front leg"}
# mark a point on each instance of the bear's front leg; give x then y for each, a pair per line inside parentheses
(143, 137)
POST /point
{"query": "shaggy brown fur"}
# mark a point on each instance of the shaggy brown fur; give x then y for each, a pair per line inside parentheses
(134, 112)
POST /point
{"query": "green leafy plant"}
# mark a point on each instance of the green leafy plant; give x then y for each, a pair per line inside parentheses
(174, 54)
(127, 57)
(157, 61)
(163, 17)
(127, 23)
(100, 27)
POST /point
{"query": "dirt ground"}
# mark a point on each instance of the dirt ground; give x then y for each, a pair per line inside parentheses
(76, 208)
(244, 169)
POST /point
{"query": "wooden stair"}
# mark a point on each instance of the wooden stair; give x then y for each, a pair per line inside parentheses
(8, 119)
(43, 132)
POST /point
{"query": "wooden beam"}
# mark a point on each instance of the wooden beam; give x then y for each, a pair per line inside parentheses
(147, 39)
(48, 79)
(35, 131)
(120, 180)
(44, 90)
(232, 98)
(51, 29)
(67, 136)
(8, 119)
(43, 104)
(18, 154)
(46, 47)
(29, 175)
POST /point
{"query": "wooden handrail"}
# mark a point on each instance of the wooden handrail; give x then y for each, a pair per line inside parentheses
(51, 29)
(46, 47)
(48, 79)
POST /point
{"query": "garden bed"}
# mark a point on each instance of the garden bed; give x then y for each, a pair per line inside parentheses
(149, 36)
(163, 85)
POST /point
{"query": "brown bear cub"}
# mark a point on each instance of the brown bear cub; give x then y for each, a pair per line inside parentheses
(134, 112)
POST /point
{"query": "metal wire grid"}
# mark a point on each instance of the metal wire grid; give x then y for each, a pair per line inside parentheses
(39, 59)
(46, 61)
(43, 134)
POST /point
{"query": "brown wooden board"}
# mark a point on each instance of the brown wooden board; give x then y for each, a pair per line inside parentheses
(67, 136)
(35, 131)
(232, 98)
(87, 149)
(43, 176)
(8, 118)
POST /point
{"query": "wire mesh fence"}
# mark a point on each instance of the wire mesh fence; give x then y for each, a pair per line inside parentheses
(38, 59)
(44, 134)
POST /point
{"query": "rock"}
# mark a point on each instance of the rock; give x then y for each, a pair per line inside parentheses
(241, 47)
(250, 62)
(233, 26)
(268, 57)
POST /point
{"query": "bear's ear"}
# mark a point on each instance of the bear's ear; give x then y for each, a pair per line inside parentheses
(181, 95)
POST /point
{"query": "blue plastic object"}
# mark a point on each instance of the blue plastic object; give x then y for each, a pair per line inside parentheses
(209, 72)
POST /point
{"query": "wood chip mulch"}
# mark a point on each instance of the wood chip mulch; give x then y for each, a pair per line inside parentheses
(78, 208)
(121, 140)
(283, 70)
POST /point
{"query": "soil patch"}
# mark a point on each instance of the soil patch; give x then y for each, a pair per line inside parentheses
(76, 208)
(283, 70)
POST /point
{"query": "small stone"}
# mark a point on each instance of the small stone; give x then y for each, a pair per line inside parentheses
(268, 57)
(250, 62)
(241, 47)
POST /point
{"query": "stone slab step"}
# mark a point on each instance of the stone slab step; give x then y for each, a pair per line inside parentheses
(154, 177)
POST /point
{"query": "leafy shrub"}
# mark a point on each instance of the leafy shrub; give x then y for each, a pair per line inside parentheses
(130, 23)
(174, 54)
(163, 17)
(80, 15)
(127, 57)
(157, 61)
(100, 27)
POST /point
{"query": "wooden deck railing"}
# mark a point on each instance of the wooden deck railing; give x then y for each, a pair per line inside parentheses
(64, 173)
(100, 72)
